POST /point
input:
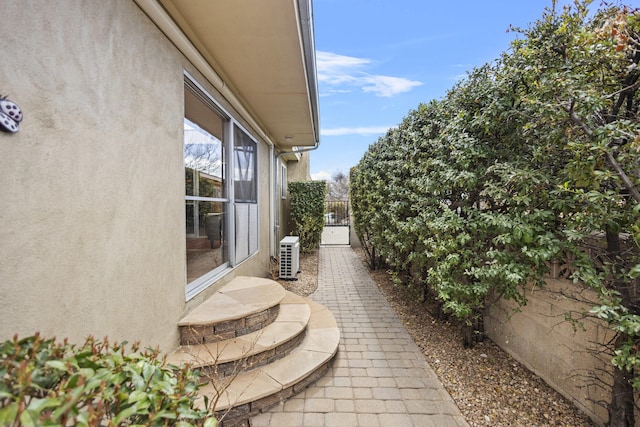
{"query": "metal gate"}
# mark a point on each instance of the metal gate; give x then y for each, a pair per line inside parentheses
(337, 226)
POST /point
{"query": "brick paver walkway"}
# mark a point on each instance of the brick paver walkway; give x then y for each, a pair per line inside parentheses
(380, 377)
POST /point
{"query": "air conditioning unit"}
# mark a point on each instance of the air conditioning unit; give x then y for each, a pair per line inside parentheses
(289, 257)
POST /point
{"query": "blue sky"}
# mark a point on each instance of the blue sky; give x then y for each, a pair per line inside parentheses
(377, 60)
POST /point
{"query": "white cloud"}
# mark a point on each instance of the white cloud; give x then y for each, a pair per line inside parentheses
(332, 63)
(388, 86)
(330, 92)
(365, 131)
(341, 71)
(458, 77)
(321, 176)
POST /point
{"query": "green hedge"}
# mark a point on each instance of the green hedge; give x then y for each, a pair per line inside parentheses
(520, 164)
(307, 211)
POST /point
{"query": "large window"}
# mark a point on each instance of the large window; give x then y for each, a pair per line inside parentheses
(221, 190)
(206, 198)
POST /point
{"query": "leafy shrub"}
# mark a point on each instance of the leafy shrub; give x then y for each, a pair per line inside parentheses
(519, 164)
(44, 382)
(307, 211)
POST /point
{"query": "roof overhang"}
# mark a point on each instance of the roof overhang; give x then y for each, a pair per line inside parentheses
(262, 52)
(292, 156)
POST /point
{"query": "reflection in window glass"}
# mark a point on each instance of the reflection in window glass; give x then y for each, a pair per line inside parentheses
(245, 190)
(244, 173)
(206, 205)
(203, 161)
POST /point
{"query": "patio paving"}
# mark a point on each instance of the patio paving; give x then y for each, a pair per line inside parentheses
(380, 377)
(335, 235)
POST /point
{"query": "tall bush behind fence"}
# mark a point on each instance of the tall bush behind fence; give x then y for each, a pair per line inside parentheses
(521, 163)
(307, 211)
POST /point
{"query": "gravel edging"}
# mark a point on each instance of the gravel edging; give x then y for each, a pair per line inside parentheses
(489, 386)
(307, 279)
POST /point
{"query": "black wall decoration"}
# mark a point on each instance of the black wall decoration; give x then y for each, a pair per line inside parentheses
(10, 115)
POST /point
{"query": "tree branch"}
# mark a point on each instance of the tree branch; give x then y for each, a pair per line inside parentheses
(610, 157)
(625, 178)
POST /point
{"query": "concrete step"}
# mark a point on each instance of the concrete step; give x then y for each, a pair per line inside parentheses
(250, 392)
(243, 306)
(256, 344)
(224, 358)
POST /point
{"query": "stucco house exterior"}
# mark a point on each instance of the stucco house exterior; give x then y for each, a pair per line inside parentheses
(150, 167)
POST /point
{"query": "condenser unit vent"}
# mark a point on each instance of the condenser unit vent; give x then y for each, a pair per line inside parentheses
(289, 257)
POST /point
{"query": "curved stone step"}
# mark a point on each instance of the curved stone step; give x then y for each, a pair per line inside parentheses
(243, 306)
(223, 358)
(251, 392)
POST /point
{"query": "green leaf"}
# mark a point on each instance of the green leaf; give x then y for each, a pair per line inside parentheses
(9, 413)
(137, 396)
(124, 414)
(148, 371)
(29, 419)
(39, 405)
(57, 364)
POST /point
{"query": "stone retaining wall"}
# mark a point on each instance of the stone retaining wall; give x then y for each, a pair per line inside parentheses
(539, 337)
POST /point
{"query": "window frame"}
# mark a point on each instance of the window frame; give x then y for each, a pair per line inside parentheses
(240, 139)
(203, 282)
(246, 212)
(283, 181)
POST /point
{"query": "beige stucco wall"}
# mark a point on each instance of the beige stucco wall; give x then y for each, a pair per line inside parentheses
(299, 171)
(92, 237)
(539, 337)
(92, 204)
